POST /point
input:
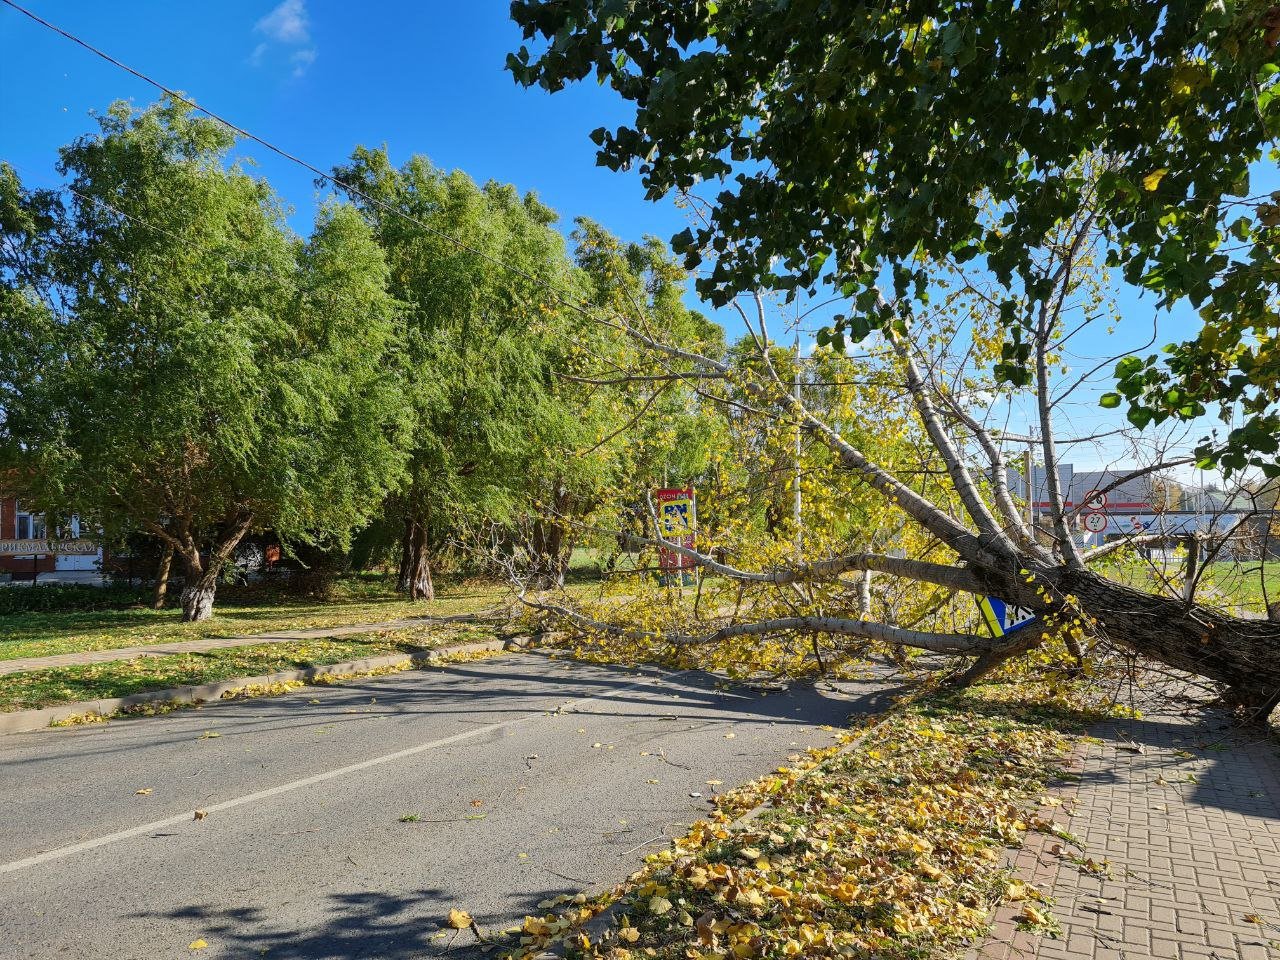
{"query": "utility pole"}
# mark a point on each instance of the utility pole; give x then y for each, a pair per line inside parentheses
(795, 393)
(1030, 506)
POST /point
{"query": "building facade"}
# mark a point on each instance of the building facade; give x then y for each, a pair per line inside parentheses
(1102, 512)
(28, 548)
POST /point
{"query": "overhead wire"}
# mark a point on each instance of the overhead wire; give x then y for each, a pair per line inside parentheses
(561, 296)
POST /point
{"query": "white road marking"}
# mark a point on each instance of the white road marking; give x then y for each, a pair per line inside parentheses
(186, 817)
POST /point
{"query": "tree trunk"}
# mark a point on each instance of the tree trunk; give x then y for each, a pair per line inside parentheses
(420, 584)
(864, 595)
(162, 577)
(552, 546)
(403, 578)
(198, 589)
(548, 564)
(1243, 654)
(414, 576)
(201, 576)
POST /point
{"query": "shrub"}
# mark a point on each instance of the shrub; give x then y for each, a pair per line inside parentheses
(69, 596)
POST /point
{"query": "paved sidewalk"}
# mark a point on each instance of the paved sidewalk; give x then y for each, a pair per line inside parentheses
(1180, 815)
(28, 664)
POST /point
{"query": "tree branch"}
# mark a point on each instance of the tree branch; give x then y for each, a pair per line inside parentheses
(948, 643)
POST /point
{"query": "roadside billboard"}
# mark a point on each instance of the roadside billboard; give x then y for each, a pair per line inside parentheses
(678, 524)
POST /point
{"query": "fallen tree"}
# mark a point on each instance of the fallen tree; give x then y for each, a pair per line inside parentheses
(856, 149)
(975, 539)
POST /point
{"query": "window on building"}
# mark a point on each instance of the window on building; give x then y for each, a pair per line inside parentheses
(30, 525)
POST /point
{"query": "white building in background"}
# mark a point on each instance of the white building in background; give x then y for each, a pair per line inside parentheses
(1135, 506)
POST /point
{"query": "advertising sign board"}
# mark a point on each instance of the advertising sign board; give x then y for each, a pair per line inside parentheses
(677, 523)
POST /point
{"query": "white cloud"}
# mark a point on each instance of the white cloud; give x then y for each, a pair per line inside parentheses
(287, 25)
(302, 59)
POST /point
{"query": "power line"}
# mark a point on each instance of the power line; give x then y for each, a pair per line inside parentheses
(559, 295)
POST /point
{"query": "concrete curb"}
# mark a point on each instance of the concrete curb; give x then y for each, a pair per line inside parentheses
(24, 721)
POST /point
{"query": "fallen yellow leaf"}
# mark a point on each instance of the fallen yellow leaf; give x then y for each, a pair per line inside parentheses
(460, 919)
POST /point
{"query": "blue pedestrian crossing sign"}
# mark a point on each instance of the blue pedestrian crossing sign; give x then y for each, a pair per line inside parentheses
(1003, 618)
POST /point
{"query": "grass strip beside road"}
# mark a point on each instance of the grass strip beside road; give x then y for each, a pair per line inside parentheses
(47, 688)
(46, 633)
(892, 849)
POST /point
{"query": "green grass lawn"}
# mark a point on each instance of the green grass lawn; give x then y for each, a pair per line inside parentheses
(1246, 584)
(46, 688)
(358, 600)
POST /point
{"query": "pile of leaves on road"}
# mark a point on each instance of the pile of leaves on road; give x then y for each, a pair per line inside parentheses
(890, 846)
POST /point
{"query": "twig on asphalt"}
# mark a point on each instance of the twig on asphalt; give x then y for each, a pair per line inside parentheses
(565, 876)
(662, 755)
(661, 836)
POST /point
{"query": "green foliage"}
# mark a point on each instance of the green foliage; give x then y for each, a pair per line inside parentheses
(857, 142)
(68, 596)
(650, 431)
(508, 429)
(173, 358)
(481, 338)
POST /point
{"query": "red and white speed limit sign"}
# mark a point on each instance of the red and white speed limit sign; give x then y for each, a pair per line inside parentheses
(1095, 522)
(1095, 500)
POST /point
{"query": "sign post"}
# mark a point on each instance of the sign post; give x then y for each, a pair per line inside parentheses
(678, 524)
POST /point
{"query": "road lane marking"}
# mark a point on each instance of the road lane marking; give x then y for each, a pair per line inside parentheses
(61, 852)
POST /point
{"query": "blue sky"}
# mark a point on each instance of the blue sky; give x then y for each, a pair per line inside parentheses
(317, 78)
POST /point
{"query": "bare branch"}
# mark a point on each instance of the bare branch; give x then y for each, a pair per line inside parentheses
(948, 643)
(940, 574)
(942, 442)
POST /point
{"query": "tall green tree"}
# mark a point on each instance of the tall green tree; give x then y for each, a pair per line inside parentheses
(851, 142)
(659, 429)
(174, 359)
(483, 333)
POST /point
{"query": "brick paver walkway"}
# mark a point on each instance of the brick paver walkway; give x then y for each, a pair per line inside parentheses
(1180, 815)
(28, 664)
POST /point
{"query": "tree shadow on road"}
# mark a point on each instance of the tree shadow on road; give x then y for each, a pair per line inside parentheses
(364, 924)
(497, 689)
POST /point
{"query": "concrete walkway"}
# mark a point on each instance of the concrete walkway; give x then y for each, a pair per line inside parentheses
(1177, 817)
(29, 664)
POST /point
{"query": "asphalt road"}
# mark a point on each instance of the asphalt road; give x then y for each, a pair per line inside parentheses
(529, 777)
